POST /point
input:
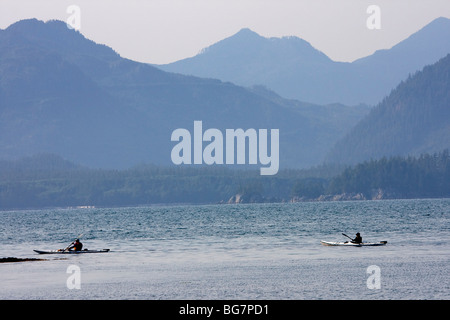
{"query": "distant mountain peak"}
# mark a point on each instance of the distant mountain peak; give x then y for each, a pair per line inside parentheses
(237, 40)
(440, 20)
(247, 32)
(294, 69)
(34, 26)
(24, 22)
(55, 35)
(247, 46)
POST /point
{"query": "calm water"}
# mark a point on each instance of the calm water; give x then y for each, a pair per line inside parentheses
(259, 251)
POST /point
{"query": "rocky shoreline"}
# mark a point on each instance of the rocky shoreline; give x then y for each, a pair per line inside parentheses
(376, 194)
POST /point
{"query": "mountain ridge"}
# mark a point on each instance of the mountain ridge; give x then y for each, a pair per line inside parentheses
(323, 81)
(66, 95)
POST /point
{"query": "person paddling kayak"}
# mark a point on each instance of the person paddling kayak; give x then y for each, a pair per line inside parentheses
(76, 245)
(358, 238)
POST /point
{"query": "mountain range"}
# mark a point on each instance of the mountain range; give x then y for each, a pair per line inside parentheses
(64, 94)
(294, 69)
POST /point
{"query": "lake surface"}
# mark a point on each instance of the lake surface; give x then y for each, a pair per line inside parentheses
(254, 251)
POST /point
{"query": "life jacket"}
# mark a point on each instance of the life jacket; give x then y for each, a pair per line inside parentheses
(77, 246)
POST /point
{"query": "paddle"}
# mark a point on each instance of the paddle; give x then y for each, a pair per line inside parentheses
(347, 236)
(384, 242)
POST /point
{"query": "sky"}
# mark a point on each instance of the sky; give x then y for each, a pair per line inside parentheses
(163, 31)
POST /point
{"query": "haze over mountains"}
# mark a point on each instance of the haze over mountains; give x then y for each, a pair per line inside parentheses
(294, 69)
(64, 94)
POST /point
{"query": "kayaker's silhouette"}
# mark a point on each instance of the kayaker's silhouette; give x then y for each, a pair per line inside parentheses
(358, 238)
(76, 245)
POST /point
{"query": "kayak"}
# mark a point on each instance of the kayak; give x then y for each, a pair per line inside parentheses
(351, 244)
(70, 251)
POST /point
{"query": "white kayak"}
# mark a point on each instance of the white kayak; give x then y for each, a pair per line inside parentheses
(351, 244)
(61, 251)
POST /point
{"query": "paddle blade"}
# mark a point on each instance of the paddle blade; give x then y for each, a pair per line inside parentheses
(347, 236)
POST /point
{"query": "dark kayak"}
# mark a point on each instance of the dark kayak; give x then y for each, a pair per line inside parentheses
(61, 251)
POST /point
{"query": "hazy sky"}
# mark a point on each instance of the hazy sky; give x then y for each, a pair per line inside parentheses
(162, 31)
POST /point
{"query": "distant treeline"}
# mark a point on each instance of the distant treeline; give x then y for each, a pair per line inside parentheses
(427, 176)
(49, 181)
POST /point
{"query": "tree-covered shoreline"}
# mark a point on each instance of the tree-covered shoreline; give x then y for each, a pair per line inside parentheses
(50, 181)
(426, 176)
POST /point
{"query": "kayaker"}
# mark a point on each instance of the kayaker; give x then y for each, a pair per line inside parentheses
(76, 245)
(358, 238)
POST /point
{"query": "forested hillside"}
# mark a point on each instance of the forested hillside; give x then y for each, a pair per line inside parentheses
(413, 119)
(49, 181)
(427, 176)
